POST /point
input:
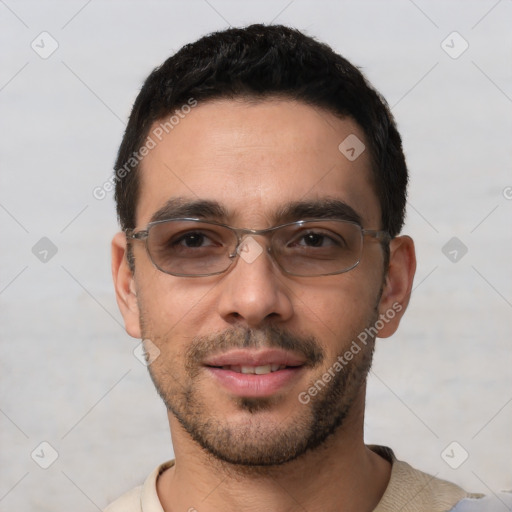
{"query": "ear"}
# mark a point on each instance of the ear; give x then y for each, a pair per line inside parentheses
(398, 285)
(124, 284)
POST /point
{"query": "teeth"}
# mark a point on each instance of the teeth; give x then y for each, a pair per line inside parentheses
(262, 370)
(255, 370)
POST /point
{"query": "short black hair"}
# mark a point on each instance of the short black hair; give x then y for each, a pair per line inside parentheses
(256, 62)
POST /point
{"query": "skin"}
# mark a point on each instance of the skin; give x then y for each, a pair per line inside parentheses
(254, 157)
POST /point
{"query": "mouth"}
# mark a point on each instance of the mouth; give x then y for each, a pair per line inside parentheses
(253, 374)
(254, 370)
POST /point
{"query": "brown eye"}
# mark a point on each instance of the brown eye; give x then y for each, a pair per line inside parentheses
(193, 240)
(318, 239)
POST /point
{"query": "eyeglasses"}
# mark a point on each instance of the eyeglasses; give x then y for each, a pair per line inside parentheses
(198, 248)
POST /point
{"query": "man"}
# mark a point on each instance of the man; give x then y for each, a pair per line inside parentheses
(261, 189)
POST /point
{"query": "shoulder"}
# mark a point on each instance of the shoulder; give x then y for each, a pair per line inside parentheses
(128, 502)
(411, 490)
(141, 498)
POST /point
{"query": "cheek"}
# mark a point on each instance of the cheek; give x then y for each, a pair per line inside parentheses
(337, 311)
(173, 308)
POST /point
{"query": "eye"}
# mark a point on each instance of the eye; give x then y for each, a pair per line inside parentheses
(320, 239)
(315, 240)
(193, 239)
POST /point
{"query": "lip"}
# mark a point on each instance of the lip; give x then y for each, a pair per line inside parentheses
(253, 385)
(255, 358)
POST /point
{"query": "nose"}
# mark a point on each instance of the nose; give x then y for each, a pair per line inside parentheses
(253, 291)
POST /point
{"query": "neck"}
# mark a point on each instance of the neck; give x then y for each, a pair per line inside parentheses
(340, 475)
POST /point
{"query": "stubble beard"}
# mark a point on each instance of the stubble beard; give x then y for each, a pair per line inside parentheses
(257, 442)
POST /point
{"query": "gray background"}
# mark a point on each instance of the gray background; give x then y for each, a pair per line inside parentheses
(68, 373)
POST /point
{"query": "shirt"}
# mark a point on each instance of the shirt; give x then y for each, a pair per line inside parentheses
(408, 490)
(500, 502)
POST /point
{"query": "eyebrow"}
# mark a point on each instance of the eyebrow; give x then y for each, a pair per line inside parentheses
(205, 209)
(181, 207)
(327, 208)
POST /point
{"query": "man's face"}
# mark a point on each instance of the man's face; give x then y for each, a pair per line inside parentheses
(254, 160)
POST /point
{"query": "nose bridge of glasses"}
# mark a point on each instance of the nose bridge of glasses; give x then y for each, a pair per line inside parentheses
(243, 234)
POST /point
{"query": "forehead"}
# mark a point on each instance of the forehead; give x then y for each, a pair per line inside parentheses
(254, 158)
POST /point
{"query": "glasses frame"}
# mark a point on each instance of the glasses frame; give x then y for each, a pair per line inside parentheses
(142, 235)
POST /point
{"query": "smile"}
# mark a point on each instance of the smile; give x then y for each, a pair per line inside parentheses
(257, 370)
